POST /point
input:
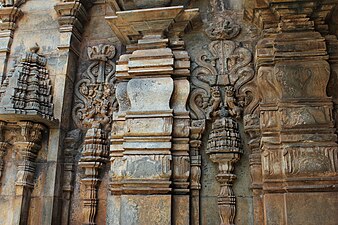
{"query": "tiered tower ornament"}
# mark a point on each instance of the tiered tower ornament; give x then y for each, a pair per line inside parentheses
(26, 91)
(26, 103)
(217, 96)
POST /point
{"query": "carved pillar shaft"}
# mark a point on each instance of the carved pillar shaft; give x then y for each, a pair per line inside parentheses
(28, 150)
(256, 173)
(332, 46)
(298, 141)
(224, 149)
(150, 157)
(68, 178)
(196, 131)
(180, 140)
(94, 155)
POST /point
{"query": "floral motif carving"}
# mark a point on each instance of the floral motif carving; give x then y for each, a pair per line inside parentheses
(219, 95)
(94, 109)
(96, 90)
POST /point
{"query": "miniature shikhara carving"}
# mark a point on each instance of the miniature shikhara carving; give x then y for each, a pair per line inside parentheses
(27, 89)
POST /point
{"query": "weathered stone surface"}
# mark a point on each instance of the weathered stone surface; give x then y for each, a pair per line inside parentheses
(157, 101)
(144, 210)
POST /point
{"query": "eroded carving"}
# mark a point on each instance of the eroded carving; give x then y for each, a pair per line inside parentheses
(71, 143)
(27, 89)
(222, 27)
(94, 109)
(95, 92)
(218, 95)
(3, 147)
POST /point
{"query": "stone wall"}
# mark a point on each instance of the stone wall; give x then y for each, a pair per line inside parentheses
(168, 112)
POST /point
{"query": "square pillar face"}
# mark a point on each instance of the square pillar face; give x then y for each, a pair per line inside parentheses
(145, 210)
(299, 208)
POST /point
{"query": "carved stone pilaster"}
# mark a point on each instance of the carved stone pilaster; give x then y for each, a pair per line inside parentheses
(94, 156)
(218, 95)
(9, 15)
(251, 126)
(95, 104)
(28, 150)
(224, 148)
(151, 154)
(72, 16)
(332, 46)
(196, 131)
(296, 124)
(70, 144)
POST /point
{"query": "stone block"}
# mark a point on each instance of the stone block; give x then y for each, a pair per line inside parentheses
(149, 126)
(181, 210)
(146, 210)
(150, 94)
(274, 209)
(311, 208)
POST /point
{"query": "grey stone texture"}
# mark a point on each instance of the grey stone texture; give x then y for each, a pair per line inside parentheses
(141, 156)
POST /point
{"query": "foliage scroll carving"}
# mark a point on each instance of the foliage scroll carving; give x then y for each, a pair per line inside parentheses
(219, 95)
(95, 92)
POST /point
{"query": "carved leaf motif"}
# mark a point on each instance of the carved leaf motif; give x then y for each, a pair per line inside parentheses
(95, 92)
(226, 65)
(222, 27)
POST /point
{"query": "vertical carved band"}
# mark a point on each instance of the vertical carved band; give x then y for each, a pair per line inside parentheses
(93, 110)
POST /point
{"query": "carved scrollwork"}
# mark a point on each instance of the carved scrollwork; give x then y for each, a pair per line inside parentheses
(219, 95)
(95, 92)
(222, 27)
(219, 79)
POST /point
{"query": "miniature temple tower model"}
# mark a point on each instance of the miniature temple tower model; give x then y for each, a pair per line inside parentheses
(149, 155)
(26, 104)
